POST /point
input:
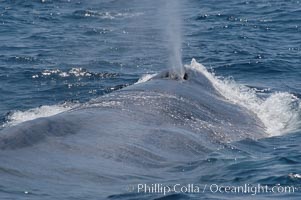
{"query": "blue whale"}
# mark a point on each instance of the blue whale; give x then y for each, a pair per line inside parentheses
(137, 134)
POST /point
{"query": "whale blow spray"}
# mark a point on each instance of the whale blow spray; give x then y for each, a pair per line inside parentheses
(174, 37)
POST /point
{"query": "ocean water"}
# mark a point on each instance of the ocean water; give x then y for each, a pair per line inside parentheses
(58, 55)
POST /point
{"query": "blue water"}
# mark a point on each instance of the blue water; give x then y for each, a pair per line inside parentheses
(56, 52)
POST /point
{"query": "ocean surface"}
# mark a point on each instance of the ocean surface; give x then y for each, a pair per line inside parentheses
(56, 55)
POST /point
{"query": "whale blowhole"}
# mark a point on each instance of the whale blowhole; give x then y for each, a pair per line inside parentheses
(173, 76)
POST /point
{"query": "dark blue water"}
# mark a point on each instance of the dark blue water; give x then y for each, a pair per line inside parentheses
(69, 52)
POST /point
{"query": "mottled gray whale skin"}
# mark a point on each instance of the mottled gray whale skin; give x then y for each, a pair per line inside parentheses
(138, 131)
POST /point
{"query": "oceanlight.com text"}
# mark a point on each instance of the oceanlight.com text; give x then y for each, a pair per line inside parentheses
(210, 188)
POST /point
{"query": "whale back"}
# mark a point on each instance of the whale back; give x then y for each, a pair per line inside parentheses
(188, 109)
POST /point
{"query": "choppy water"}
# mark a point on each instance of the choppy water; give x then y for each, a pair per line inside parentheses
(56, 55)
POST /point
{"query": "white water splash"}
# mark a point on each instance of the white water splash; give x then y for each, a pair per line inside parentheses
(18, 117)
(280, 112)
(145, 77)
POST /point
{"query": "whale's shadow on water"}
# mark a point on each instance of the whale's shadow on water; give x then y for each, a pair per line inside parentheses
(137, 134)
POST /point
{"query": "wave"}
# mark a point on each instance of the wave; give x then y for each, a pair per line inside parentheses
(280, 112)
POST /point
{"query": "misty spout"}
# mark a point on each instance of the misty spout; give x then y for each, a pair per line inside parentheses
(173, 31)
